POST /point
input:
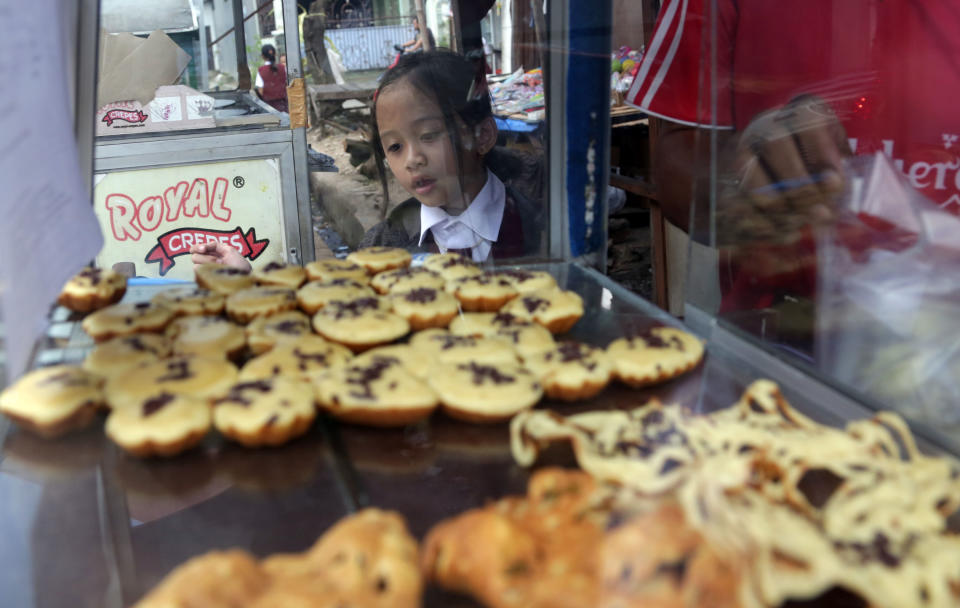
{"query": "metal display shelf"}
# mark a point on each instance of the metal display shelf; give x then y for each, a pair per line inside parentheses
(89, 525)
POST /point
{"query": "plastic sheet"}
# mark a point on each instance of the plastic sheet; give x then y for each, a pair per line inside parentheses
(889, 295)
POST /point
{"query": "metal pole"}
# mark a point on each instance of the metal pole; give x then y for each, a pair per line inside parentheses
(204, 81)
(304, 252)
(85, 89)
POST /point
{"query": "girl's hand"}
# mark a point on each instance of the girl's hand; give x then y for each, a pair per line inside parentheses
(218, 253)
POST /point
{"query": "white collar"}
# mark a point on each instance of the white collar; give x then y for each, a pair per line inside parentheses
(483, 215)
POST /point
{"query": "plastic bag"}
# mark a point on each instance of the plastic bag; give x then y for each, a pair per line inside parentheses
(888, 295)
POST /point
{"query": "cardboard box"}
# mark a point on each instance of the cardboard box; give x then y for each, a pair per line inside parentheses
(136, 91)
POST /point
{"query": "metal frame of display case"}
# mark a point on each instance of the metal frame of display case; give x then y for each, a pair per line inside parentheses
(338, 479)
(287, 145)
(578, 126)
(85, 109)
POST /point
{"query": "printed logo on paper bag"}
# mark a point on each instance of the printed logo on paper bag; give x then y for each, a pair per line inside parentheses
(177, 242)
(166, 109)
(131, 116)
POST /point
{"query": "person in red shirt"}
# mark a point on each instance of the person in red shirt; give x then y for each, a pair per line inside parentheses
(271, 83)
(798, 87)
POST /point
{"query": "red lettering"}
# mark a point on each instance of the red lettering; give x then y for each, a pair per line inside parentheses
(198, 201)
(175, 244)
(218, 203)
(123, 215)
(150, 213)
(236, 242)
(187, 240)
(174, 198)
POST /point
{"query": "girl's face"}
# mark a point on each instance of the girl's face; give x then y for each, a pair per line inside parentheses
(420, 152)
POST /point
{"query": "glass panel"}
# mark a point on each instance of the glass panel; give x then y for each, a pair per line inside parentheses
(813, 159)
(453, 118)
(192, 44)
(205, 31)
(143, 517)
(263, 27)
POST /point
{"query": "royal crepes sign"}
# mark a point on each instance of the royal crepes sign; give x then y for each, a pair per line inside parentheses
(177, 242)
(152, 217)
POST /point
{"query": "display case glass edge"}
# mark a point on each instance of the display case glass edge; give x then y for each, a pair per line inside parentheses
(306, 252)
(88, 26)
(555, 74)
(587, 109)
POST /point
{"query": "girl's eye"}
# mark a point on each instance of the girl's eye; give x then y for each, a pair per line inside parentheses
(430, 136)
(393, 148)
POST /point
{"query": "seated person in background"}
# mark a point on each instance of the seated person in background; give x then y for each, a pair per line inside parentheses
(412, 46)
(271, 83)
(434, 126)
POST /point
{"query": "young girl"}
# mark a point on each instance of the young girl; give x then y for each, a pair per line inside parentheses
(271, 83)
(435, 128)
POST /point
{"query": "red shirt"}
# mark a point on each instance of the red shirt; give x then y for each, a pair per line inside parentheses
(889, 68)
(274, 82)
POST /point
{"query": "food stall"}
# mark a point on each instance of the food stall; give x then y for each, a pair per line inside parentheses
(222, 164)
(90, 524)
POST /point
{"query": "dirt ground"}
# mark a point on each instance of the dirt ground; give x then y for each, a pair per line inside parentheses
(345, 204)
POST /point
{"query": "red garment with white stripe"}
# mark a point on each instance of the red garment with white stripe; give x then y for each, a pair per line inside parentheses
(890, 69)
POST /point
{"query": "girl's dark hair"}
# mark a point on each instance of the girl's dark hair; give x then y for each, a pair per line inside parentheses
(270, 54)
(457, 84)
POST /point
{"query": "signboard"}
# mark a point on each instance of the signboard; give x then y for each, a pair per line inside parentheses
(151, 217)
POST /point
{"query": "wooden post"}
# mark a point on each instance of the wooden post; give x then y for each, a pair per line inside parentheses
(240, 39)
(422, 20)
(661, 276)
(314, 28)
(540, 29)
(456, 29)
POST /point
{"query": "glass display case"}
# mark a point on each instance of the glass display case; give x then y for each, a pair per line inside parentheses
(819, 190)
(79, 500)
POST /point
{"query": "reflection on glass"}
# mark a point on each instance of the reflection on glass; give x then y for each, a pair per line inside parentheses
(435, 128)
(206, 31)
(820, 137)
(262, 25)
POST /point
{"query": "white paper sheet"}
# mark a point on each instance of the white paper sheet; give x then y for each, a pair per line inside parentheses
(48, 230)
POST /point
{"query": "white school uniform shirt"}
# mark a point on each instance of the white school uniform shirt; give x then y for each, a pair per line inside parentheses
(476, 229)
